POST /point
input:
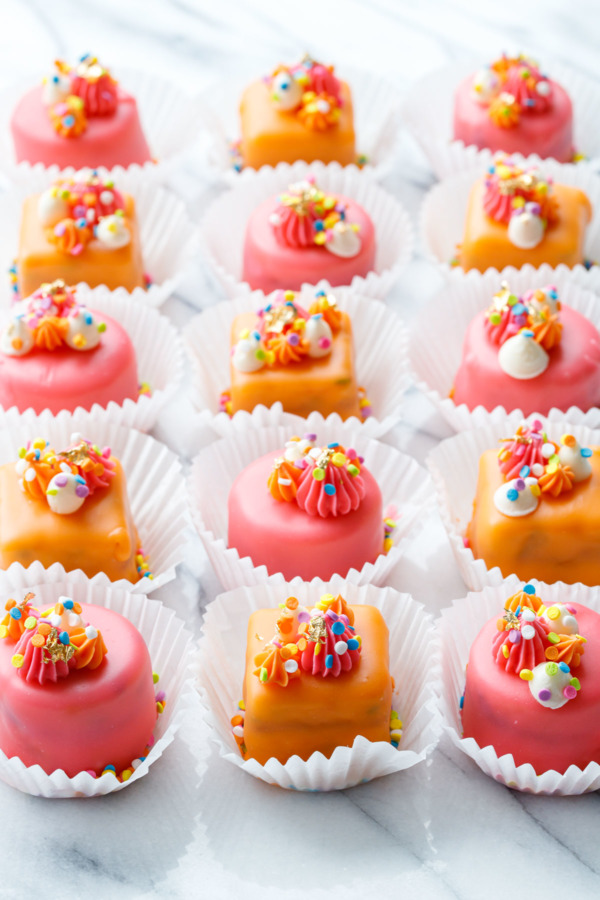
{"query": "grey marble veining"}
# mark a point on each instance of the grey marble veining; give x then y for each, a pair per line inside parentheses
(197, 826)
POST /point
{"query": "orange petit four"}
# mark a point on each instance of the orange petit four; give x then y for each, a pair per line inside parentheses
(80, 230)
(301, 112)
(537, 509)
(516, 216)
(320, 683)
(69, 507)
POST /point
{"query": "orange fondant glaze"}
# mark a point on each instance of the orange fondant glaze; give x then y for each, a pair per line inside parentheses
(560, 541)
(486, 242)
(327, 384)
(40, 261)
(313, 713)
(270, 136)
(99, 537)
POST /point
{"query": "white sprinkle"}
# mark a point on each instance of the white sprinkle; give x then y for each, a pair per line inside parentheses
(290, 665)
(528, 632)
(528, 615)
(30, 475)
(548, 450)
(341, 647)
(238, 731)
(537, 470)
(90, 632)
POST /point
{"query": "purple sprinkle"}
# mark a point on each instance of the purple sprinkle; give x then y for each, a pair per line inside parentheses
(304, 616)
(82, 490)
(160, 697)
(520, 484)
(60, 480)
(300, 463)
(514, 636)
(545, 694)
(361, 459)
(310, 437)
(293, 339)
(332, 615)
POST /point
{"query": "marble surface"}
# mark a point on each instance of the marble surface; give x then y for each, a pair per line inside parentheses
(198, 826)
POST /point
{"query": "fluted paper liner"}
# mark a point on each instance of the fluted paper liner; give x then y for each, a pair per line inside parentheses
(429, 107)
(457, 628)
(438, 332)
(155, 487)
(454, 468)
(223, 227)
(170, 650)
(171, 121)
(221, 675)
(444, 210)
(159, 357)
(380, 353)
(403, 483)
(168, 237)
(376, 103)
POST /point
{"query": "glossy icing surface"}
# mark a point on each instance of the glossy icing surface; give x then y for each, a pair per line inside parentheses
(269, 266)
(39, 261)
(313, 713)
(98, 537)
(547, 134)
(270, 136)
(286, 539)
(499, 709)
(327, 384)
(486, 242)
(91, 718)
(116, 140)
(64, 378)
(571, 379)
(560, 541)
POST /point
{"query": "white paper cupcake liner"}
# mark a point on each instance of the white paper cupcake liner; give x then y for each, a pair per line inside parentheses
(403, 483)
(381, 361)
(444, 210)
(168, 237)
(223, 227)
(376, 103)
(170, 119)
(171, 653)
(221, 675)
(438, 332)
(454, 468)
(457, 628)
(155, 487)
(428, 113)
(159, 356)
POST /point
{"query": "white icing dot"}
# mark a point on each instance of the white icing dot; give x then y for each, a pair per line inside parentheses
(290, 665)
(341, 647)
(528, 632)
(106, 197)
(90, 632)
(537, 470)
(528, 615)
(547, 450)
(238, 731)
(21, 466)
(30, 475)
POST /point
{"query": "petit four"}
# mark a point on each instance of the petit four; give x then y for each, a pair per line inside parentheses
(530, 353)
(76, 689)
(80, 229)
(517, 216)
(69, 507)
(510, 105)
(302, 358)
(537, 508)
(304, 235)
(308, 511)
(78, 117)
(319, 683)
(56, 354)
(302, 112)
(533, 684)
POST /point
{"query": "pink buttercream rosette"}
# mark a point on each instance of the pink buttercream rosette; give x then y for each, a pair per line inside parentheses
(457, 628)
(221, 672)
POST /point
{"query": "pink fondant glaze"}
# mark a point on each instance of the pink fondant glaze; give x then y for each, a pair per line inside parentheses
(571, 379)
(116, 140)
(500, 711)
(91, 718)
(547, 134)
(286, 539)
(65, 378)
(268, 265)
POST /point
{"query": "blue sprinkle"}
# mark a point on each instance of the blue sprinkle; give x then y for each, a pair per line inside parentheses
(110, 769)
(329, 661)
(353, 644)
(395, 744)
(529, 589)
(333, 445)
(553, 295)
(68, 604)
(563, 667)
(318, 225)
(518, 611)
(518, 309)
(79, 479)
(329, 489)
(88, 319)
(527, 333)
(338, 628)
(586, 452)
(512, 494)
(64, 637)
(256, 335)
(15, 613)
(320, 294)
(492, 169)
(461, 702)
(524, 472)
(55, 79)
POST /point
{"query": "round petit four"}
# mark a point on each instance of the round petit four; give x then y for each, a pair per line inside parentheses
(299, 686)
(69, 507)
(305, 235)
(516, 215)
(302, 111)
(76, 688)
(307, 511)
(510, 105)
(78, 117)
(56, 354)
(533, 684)
(302, 358)
(537, 508)
(80, 229)
(529, 353)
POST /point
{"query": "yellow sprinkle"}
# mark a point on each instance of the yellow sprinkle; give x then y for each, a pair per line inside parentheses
(339, 459)
(505, 651)
(317, 649)
(553, 612)
(3, 631)
(526, 674)
(159, 707)
(244, 334)
(39, 444)
(18, 660)
(126, 774)
(289, 295)
(155, 678)
(395, 735)
(241, 705)
(535, 490)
